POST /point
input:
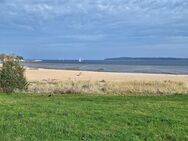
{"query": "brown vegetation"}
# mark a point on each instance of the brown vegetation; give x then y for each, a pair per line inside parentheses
(112, 88)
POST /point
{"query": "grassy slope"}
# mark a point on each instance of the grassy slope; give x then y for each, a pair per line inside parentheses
(71, 117)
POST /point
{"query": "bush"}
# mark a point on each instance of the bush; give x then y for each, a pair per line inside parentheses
(12, 76)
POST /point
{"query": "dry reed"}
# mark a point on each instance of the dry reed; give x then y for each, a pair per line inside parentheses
(103, 87)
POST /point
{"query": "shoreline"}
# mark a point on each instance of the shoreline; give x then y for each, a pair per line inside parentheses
(39, 74)
(103, 71)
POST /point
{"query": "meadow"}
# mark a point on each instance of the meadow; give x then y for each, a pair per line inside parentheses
(92, 117)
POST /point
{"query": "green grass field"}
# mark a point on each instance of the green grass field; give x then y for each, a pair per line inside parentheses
(78, 117)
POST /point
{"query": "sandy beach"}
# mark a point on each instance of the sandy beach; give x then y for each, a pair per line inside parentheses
(63, 75)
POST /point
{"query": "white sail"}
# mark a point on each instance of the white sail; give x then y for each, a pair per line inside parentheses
(80, 60)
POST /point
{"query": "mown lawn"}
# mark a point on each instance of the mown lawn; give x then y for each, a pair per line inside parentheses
(78, 117)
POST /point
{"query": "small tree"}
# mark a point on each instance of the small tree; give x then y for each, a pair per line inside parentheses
(12, 74)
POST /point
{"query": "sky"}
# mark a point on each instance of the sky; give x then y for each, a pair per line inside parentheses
(94, 29)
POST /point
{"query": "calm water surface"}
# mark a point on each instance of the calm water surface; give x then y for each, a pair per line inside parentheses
(169, 66)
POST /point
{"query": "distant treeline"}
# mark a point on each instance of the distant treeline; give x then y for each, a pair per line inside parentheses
(146, 58)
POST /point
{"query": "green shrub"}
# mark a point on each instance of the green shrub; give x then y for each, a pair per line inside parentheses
(12, 76)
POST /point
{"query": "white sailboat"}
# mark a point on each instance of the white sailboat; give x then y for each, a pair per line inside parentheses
(80, 60)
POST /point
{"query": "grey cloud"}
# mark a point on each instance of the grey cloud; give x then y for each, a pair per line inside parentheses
(61, 7)
(112, 17)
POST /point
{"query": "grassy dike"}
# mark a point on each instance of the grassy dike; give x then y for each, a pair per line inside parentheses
(81, 117)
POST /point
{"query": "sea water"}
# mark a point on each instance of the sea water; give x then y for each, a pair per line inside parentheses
(168, 66)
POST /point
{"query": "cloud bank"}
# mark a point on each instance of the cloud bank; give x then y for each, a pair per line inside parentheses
(100, 24)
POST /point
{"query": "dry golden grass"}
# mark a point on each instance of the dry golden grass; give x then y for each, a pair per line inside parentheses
(104, 87)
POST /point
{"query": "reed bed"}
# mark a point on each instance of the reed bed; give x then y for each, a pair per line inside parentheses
(104, 87)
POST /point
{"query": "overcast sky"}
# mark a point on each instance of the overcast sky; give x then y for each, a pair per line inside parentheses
(94, 29)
